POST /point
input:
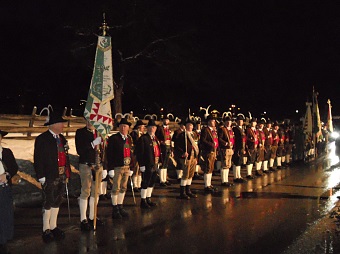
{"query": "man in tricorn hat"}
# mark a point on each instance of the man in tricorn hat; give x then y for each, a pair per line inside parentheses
(119, 162)
(209, 146)
(164, 135)
(226, 142)
(52, 167)
(276, 139)
(188, 151)
(138, 131)
(260, 148)
(239, 149)
(88, 142)
(252, 142)
(148, 152)
(178, 154)
(267, 145)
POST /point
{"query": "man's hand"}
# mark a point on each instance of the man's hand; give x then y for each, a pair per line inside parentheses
(142, 169)
(42, 180)
(111, 173)
(130, 173)
(96, 141)
(104, 174)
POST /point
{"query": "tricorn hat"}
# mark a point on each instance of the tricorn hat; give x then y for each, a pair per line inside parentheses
(53, 118)
(211, 117)
(190, 121)
(151, 123)
(3, 133)
(253, 120)
(139, 123)
(240, 117)
(227, 118)
(124, 121)
(276, 123)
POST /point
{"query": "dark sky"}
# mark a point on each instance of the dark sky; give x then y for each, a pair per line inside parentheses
(259, 55)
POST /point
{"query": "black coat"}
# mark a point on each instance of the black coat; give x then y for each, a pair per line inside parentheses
(144, 151)
(115, 151)
(46, 156)
(10, 164)
(207, 143)
(239, 136)
(83, 140)
(180, 145)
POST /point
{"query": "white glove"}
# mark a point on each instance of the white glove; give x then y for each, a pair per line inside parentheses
(111, 173)
(42, 180)
(130, 173)
(142, 169)
(97, 141)
(104, 174)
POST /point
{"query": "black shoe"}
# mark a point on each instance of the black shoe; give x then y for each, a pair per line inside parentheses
(271, 169)
(102, 197)
(58, 233)
(189, 193)
(85, 226)
(123, 212)
(241, 180)
(144, 204)
(99, 223)
(115, 213)
(184, 196)
(198, 177)
(163, 185)
(47, 236)
(167, 183)
(227, 184)
(150, 203)
(250, 177)
(278, 167)
(258, 173)
(208, 189)
(136, 190)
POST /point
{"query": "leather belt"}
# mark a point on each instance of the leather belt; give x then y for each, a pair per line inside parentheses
(61, 170)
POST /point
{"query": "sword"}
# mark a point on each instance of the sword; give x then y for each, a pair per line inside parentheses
(133, 192)
(68, 203)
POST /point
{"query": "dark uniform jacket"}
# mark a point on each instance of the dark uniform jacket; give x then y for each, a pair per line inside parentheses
(207, 143)
(9, 162)
(46, 156)
(145, 152)
(83, 139)
(251, 136)
(223, 138)
(180, 145)
(115, 150)
(239, 137)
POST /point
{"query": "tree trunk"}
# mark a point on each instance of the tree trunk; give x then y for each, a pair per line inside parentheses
(117, 101)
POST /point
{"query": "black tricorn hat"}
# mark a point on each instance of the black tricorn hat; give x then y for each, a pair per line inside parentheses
(211, 117)
(3, 133)
(240, 117)
(262, 121)
(151, 123)
(139, 123)
(190, 121)
(124, 121)
(269, 121)
(53, 118)
(227, 118)
(276, 123)
(253, 120)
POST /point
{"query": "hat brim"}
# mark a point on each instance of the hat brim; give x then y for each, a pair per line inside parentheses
(59, 121)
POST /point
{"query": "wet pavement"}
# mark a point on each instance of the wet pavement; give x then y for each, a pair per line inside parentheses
(283, 212)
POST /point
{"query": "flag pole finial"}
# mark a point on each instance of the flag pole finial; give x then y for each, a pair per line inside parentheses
(104, 26)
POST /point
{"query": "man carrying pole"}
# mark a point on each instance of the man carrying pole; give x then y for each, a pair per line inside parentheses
(98, 109)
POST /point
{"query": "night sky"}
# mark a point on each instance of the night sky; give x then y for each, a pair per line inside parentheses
(259, 55)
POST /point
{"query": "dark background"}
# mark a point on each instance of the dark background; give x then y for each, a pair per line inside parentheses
(262, 56)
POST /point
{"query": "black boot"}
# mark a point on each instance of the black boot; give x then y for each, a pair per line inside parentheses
(115, 213)
(189, 193)
(182, 194)
(150, 203)
(122, 212)
(144, 204)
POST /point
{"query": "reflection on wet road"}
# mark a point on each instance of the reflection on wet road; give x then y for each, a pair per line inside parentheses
(263, 215)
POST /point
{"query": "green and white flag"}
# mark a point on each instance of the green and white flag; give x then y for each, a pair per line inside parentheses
(98, 108)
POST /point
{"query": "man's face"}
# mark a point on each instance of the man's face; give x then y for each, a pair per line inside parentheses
(189, 127)
(227, 123)
(57, 128)
(124, 129)
(152, 130)
(261, 126)
(166, 121)
(240, 122)
(269, 125)
(253, 124)
(212, 123)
